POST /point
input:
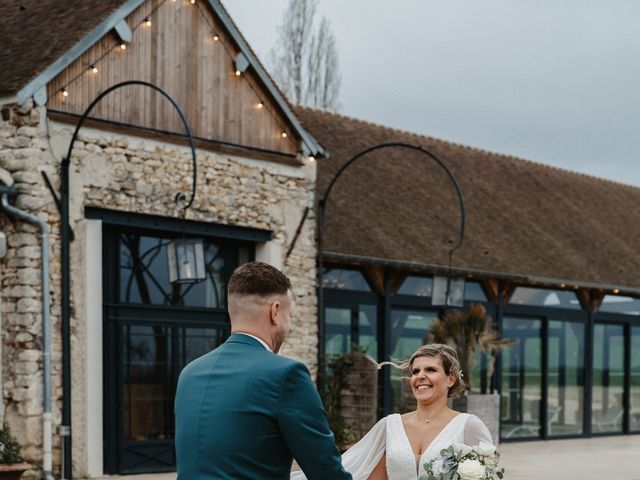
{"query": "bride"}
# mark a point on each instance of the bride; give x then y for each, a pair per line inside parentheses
(398, 446)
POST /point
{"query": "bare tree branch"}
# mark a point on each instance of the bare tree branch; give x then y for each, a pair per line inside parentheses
(304, 62)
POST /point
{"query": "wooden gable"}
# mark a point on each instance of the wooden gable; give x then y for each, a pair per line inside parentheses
(183, 48)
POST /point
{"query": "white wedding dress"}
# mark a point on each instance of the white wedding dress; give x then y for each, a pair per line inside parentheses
(389, 436)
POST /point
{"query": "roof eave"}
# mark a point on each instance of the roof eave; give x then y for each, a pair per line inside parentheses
(347, 258)
(43, 78)
(310, 145)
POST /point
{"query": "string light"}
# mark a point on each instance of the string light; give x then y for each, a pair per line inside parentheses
(311, 159)
(215, 37)
(615, 290)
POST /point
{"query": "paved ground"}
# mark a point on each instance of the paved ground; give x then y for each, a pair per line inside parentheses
(603, 458)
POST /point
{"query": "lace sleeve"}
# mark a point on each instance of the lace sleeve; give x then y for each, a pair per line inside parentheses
(475, 431)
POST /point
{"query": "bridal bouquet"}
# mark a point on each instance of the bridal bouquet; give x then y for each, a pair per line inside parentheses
(461, 462)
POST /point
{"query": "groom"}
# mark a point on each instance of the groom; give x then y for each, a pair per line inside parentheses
(243, 412)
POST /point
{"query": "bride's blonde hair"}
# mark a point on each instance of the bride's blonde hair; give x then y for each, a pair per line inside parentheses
(449, 358)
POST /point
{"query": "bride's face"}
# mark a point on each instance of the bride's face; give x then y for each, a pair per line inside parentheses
(429, 380)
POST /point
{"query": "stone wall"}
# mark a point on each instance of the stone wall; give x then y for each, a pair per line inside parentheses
(129, 174)
(24, 153)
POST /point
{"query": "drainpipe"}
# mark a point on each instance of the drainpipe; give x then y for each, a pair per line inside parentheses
(46, 329)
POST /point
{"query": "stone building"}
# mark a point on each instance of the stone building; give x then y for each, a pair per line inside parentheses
(131, 330)
(551, 254)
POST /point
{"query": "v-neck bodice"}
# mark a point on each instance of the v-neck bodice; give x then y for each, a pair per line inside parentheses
(401, 461)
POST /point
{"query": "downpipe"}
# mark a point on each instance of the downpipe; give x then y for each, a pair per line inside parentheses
(47, 418)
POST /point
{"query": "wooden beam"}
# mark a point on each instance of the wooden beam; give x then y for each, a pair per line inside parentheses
(590, 298)
(375, 276)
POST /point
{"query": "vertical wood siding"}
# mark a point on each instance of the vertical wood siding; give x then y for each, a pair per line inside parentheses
(177, 53)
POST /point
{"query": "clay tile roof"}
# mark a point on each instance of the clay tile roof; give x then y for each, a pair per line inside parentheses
(36, 32)
(522, 218)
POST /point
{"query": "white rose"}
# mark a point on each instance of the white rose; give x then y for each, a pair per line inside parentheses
(485, 449)
(491, 461)
(470, 470)
(461, 449)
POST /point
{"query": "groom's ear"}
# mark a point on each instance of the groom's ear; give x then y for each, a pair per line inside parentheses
(274, 310)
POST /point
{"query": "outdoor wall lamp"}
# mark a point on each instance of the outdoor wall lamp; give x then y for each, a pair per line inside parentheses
(448, 291)
(186, 260)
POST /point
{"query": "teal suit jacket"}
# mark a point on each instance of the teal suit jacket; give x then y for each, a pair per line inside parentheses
(243, 412)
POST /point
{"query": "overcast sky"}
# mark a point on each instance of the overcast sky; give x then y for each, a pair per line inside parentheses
(554, 81)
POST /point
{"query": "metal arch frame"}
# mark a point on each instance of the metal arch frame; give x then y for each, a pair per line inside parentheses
(321, 210)
(66, 260)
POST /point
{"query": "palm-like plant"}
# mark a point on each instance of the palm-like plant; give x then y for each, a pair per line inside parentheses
(468, 331)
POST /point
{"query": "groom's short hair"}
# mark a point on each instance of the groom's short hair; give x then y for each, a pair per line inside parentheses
(258, 278)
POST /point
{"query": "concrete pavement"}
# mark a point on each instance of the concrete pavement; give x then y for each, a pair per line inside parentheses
(601, 458)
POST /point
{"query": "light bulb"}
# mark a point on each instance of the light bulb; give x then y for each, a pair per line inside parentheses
(193, 2)
(147, 22)
(123, 46)
(312, 159)
(187, 271)
(65, 92)
(94, 69)
(238, 73)
(615, 290)
(284, 135)
(216, 37)
(259, 105)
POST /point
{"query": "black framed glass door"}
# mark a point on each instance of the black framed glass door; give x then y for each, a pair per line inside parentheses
(607, 405)
(634, 380)
(149, 356)
(152, 329)
(521, 380)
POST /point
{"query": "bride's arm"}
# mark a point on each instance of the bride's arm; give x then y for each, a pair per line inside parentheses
(380, 472)
(364, 457)
(475, 431)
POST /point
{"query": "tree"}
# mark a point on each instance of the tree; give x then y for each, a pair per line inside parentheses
(304, 60)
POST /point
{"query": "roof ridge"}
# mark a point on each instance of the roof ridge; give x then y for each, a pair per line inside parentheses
(506, 156)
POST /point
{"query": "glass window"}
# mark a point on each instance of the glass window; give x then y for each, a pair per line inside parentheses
(634, 404)
(345, 280)
(345, 326)
(144, 275)
(545, 298)
(409, 331)
(521, 378)
(608, 378)
(149, 364)
(620, 304)
(565, 410)
(417, 286)
(473, 292)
